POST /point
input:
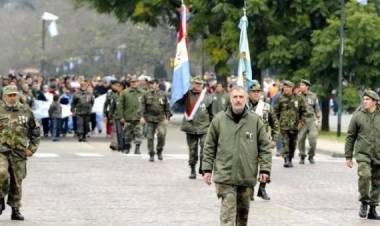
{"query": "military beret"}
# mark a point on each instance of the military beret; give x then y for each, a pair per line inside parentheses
(255, 87)
(197, 79)
(288, 83)
(10, 89)
(372, 94)
(306, 82)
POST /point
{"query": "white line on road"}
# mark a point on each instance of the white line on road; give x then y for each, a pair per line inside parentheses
(89, 155)
(45, 155)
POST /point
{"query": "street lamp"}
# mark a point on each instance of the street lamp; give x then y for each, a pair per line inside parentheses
(341, 52)
(45, 18)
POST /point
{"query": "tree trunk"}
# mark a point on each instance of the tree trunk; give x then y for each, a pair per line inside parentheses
(325, 114)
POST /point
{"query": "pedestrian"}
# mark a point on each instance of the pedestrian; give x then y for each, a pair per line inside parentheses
(19, 139)
(266, 113)
(155, 111)
(196, 121)
(363, 136)
(312, 121)
(130, 114)
(236, 147)
(81, 107)
(55, 114)
(290, 111)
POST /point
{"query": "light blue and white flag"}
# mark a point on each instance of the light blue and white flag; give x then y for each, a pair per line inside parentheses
(363, 2)
(244, 55)
(181, 75)
(53, 31)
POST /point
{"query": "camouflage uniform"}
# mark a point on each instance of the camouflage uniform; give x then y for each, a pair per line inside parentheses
(18, 131)
(130, 111)
(363, 138)
(310, 128)
(290, 111)
(82, 106)
(155, 109)
(111, 106)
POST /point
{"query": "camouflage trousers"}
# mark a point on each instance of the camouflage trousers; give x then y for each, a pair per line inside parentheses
(369, 183)
(235, 204)
(152, 127)
(132, 129)
(310, 131)
(289, 141)
(83, 125)
(193, 141)
(12, 173)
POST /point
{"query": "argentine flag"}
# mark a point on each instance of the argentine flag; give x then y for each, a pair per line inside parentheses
(181, 75)
(244, 55)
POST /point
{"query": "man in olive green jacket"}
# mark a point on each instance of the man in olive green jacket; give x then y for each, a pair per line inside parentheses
(363, 137)
(130, 113)
(236, 146)
(196, 122)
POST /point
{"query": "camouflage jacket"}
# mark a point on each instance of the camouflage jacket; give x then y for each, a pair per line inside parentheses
(130, 104)
(110, 107)
(290, 111)
(82, 103)
(155, 106)
(18, 130)
(363, 137)
(268, 116)
(312, 105)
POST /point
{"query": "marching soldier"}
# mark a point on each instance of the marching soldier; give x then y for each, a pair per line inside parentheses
(363, 137)
(266, 113)
(155, 110)
(130, 114)
(235, 168)
(312, 120)
(19, 139)
(81, 107)
(196, 122)
(290, 111)
(111, 106)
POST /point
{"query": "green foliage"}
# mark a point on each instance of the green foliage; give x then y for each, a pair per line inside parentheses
(351, 99)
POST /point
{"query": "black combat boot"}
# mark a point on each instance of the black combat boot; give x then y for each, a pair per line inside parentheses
(2, 205)
(127, 148)
(262, 193)
(159, 155)
(253, 194)
(137, 149)
(290, 163)
(372, 214)
(151, 156)
(84, 139)
(286, 162)
(302, 160)
(311, 160)
(193, 175)
(363, 210)
(16, 215)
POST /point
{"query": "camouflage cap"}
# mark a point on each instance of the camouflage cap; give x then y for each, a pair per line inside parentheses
(306, 82)
(372, 94)
(288, 83)
(255, 87)
(10, 89)
(197, 79)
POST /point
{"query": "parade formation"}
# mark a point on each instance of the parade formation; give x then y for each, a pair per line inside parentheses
(237, 127)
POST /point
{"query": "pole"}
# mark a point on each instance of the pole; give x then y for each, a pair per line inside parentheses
(43, 48)
(341, 52)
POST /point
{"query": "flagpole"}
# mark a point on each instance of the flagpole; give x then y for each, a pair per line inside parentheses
(341, 53)
(43, 48)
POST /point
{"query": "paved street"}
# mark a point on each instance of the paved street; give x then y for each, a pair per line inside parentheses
(79, 184)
